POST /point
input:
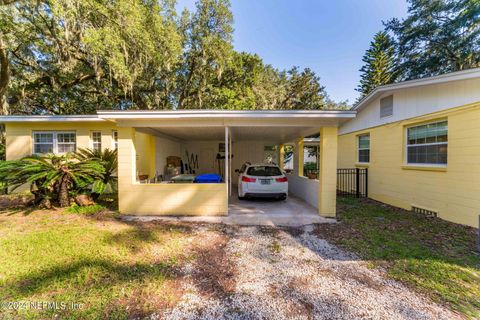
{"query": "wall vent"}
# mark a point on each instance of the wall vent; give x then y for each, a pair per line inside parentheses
(425, 212)
(386, 107)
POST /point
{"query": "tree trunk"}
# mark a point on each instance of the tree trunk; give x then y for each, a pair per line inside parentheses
(63, 198)
(4, 77)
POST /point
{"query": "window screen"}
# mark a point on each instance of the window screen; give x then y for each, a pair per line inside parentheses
(364, 148)
(54, 142)
(97, 140)
(115, 139)
(66, 142)
(428, 144)
(43, 142)
(386, 107)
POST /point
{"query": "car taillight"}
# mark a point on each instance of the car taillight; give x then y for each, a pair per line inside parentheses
(282, 179)
(247, 179)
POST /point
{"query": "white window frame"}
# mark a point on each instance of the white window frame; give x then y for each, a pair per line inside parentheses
(55, 140)
(427, 165)
(92, 139)
(359, 149)
(114, 141)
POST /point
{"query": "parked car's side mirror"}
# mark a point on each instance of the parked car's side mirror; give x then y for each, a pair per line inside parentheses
(237, 171)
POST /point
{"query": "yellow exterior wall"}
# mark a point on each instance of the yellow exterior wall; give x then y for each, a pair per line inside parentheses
(162, 199)
(453, 192)
(19, 141)
(145, 147)
(327, 196)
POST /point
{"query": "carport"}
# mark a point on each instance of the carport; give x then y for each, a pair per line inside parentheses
(146, 138)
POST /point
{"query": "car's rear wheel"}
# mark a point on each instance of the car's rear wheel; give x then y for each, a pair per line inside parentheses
(283, 197)
(241, 198)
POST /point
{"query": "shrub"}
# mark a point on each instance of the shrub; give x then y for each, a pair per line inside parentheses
(53, 177)
(110, 163)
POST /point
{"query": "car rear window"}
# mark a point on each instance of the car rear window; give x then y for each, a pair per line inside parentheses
(264, 171)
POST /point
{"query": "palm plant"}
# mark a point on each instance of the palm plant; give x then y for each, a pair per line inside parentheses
(109, 160)
(2, 151)
(52, 176)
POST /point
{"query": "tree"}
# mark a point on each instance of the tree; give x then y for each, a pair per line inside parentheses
(208, 35)
(380, 64)
(77, 56)
(438, 36)
(303, 90)
(73, 56)
(51, 176)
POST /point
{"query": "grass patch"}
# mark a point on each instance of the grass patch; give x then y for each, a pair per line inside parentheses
(109, 268)
(434, 256)
(275, 247)
(85, 210)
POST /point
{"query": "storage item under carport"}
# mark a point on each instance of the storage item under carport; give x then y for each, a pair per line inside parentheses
(208, 178)
(184, 178)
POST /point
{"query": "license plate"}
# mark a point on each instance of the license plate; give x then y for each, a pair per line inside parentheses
(264, 181)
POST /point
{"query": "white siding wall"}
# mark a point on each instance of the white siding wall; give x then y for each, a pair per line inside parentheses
(413, 102)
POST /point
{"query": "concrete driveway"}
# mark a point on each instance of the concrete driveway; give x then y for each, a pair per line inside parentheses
(293, 212)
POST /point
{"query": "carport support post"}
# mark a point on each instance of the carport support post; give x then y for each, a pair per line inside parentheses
(227, 156)
(300, 159)
(327, 199)
(281, 154)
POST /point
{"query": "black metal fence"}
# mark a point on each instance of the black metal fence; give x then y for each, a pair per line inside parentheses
(352, 182)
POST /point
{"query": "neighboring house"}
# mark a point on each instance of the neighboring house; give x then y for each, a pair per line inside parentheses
(152, 146)
(420, 141)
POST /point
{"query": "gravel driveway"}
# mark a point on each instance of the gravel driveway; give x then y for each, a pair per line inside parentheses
(266, 273)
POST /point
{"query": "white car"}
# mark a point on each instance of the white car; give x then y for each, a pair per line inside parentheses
(262, 180)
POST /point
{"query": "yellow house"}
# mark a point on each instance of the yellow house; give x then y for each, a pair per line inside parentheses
(420, 141)
(153, 146)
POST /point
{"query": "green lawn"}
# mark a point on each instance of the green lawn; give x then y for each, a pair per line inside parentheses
(117, 270)
(110, 268)
(430, 255)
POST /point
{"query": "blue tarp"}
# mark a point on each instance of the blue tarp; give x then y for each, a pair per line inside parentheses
(208, 178)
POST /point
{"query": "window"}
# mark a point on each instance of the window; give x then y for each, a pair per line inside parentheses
(427, 144)
(54, 142)
(97, 140)
(386, 107)
(264, 171)
(115, 139)
(43, 142)
(243, 168)
(364, 148)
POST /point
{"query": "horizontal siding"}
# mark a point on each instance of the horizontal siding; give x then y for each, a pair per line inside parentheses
(454, 193)
(19, 135)
(411, 102)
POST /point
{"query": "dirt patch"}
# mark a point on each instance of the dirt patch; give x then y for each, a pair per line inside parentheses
(213, 274)
(269, 231)
(141, 303)
(14, 201)
(294, 232)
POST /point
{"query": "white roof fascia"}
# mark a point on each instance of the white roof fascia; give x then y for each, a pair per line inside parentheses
(208, 114)
(448, 77)
(51, 118)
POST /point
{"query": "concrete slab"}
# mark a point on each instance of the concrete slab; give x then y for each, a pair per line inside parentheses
(293, 212)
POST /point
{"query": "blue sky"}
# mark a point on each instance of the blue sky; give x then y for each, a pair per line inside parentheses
(329, 36)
